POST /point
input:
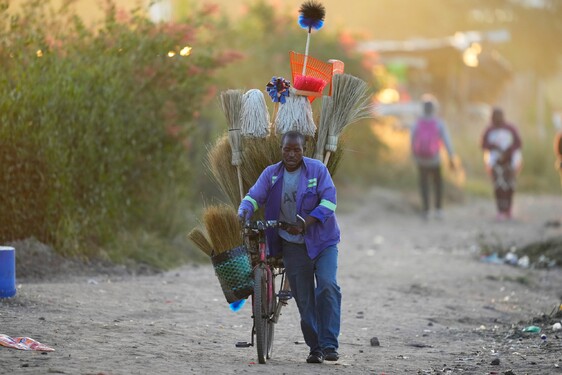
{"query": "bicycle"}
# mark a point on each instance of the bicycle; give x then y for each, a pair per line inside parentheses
(266, 304)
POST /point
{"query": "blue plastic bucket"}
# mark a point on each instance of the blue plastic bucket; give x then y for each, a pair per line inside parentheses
(7, 271)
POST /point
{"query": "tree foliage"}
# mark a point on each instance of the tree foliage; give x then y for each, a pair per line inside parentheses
(96, 125)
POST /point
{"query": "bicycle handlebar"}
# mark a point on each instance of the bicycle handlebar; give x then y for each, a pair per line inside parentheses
(261, 225)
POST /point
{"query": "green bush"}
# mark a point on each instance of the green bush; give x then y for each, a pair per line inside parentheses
(96, 126)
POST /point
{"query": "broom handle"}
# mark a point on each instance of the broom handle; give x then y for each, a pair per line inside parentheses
(240, 182)
(274, 115)
(306, 51)
(308, 93)
(327, 157)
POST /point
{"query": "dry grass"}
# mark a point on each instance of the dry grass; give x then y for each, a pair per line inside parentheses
(351, 103)
(231, 105)
(323, 126)
(222, 171)
(257, 155)
(223, 226)
(201, 241)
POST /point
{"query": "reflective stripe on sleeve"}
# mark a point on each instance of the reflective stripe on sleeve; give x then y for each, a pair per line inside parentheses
(329, 205)
(252, 201)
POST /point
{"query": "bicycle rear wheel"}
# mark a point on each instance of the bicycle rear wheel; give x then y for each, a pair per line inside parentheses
(262, 305)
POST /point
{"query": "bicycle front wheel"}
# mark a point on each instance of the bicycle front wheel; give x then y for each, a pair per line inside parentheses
(262, 311)
(272, 306)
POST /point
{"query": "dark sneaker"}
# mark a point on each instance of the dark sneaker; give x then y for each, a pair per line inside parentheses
(315, 357)
(331, 354)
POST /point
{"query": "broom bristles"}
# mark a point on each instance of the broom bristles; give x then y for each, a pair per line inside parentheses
(236, 146)
(231, 105)
(326, 114)
(201, 241)
(311, 15)
(259, 154)
(309, 83)
(351, 103)
(225, 175)
(223, 227)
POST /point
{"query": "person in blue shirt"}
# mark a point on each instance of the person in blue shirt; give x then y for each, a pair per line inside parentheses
(303, 186)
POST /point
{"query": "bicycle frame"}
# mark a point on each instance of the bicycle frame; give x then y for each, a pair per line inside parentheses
(266, 306)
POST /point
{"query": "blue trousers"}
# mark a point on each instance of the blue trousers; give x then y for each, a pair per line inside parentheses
(316, 291)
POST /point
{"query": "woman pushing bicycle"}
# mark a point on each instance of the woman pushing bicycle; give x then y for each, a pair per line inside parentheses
(302, 186)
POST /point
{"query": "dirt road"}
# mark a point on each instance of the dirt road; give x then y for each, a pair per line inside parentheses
(419, 287)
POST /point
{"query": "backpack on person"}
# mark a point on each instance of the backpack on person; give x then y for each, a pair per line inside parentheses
(427, 139)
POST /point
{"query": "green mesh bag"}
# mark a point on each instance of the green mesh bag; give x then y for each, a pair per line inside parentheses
(234, 271)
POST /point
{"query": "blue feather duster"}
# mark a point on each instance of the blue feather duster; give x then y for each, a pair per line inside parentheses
(311, 15)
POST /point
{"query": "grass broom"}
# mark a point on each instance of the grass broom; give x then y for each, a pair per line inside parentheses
(351, 103)
(201, 241)
(258, 154)
(223, 227)
(231, 104)
(222, 171)
(323, 125)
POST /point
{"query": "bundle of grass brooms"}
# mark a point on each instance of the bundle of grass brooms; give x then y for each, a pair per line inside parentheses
(222, 243)
(252, 142)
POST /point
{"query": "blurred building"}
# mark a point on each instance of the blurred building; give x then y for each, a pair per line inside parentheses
(464, 71)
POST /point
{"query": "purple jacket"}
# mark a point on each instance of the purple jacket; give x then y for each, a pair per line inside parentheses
(316, 196)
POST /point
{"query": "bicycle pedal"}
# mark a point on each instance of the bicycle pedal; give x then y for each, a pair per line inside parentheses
(285, 295)
(243, 344)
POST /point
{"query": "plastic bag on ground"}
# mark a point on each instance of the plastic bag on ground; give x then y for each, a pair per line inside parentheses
(23, 343)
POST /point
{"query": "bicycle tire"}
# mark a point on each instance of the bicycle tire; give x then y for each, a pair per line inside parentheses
(261, 316)
(272, 305)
